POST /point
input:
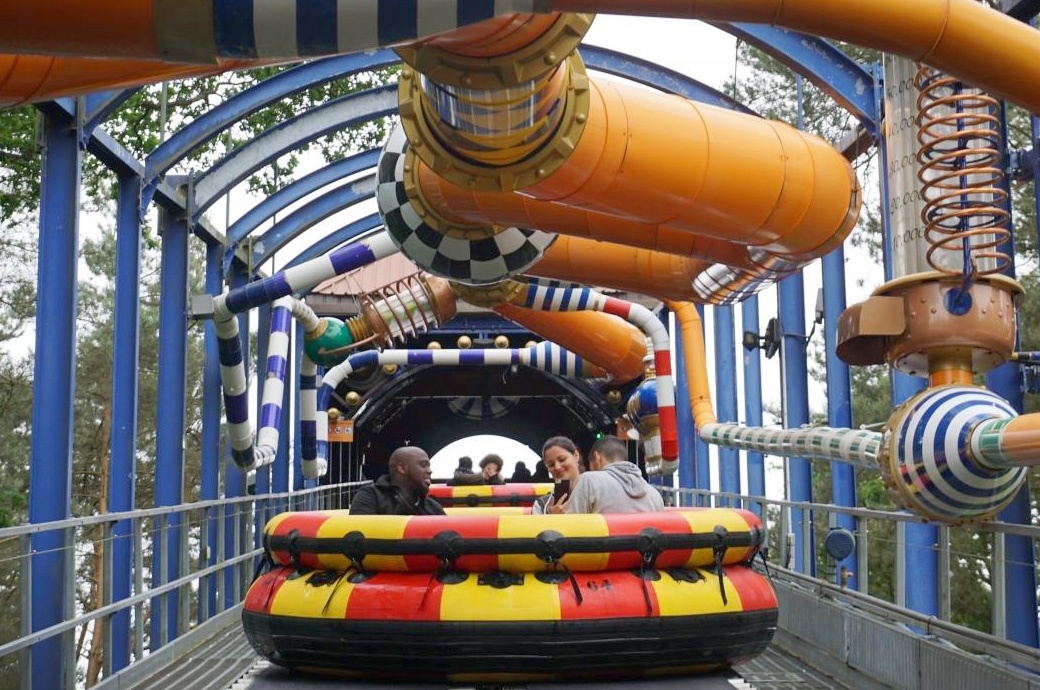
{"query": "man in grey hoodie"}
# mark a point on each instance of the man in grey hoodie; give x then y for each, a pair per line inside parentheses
(614, 485)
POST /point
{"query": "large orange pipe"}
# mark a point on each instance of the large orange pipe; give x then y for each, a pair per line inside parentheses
(664, 276)
(973, 42)
(696, 362)
(603, 339)
(456, 206)
(33, 78)
(660, 158)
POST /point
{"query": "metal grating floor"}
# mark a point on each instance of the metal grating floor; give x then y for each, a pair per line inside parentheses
(776, 670)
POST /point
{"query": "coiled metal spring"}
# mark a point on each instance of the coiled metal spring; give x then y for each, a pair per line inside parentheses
(965, 201)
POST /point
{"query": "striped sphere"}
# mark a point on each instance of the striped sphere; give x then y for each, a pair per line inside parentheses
(925, 459)
(474, 262)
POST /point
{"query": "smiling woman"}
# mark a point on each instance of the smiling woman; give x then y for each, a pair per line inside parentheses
(446, 459)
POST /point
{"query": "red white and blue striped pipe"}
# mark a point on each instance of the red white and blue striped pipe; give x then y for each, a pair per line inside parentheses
(545, 356)
(279, 286)
(551, 295)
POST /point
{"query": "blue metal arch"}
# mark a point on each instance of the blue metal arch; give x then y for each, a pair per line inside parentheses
(296, 190)
(222, 117)
(346, 234)
(301, 219)
(291, 134)
(650, 74)
(835, 73)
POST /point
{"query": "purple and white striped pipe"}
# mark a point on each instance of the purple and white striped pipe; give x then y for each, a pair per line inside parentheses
(545, 356)
(281, 285)
(551, 295)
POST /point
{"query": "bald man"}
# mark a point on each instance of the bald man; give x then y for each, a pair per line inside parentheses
(403, 490)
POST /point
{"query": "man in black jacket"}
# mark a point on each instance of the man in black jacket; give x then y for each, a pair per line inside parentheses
(403, 490)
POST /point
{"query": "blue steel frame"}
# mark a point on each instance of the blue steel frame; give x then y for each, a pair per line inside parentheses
(726, 396)
(123, 440)
(54, 375)
(170, 420)
(66, 131)
(756, 466)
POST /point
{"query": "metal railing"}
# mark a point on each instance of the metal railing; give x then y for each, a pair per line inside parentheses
(218, 546)
(880, 548)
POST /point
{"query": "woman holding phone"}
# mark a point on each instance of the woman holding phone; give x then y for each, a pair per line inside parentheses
(560, 456)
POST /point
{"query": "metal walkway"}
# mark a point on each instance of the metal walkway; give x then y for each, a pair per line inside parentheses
(223, 660)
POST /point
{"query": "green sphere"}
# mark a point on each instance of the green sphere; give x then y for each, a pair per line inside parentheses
(331, 344)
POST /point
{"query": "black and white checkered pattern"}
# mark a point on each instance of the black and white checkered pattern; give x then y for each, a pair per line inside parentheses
(474, 262)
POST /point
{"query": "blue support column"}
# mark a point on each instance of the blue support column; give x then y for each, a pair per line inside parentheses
(726, 396)
(921, 573)
(170, 414)
(234, 478)
(701, 458)
(123, 442)
(839, 399)
(1019, 573)
(211, 447)
(684, 417)
(791, 303)
(756, 464)
(297, 453)
(54, 392)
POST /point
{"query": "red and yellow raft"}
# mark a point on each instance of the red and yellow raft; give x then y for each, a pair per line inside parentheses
(491, 597)
(482, 495)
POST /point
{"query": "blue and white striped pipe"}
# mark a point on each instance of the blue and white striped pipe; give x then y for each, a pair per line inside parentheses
(281, 285)
(293, 29)
(283, 311)
(313, 466)
(545, 356)
(551, 295)
(305, 276)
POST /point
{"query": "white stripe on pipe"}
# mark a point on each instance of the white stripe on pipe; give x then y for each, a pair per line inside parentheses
(357, 23)
(274, 28)
(436, 16)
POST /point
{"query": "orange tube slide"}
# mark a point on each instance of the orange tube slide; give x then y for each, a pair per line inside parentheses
(578, 260)
(456, 206)
(602, 339)
(31, 78)
(658, 158)
(964, 38)
(696, 362)
(973, 42)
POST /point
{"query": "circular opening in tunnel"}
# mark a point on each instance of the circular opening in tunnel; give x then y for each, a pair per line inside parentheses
(446, 459)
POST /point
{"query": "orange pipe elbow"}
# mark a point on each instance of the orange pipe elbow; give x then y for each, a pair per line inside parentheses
(696, 362)
(664, 276)
(606, 340)
(662, 159)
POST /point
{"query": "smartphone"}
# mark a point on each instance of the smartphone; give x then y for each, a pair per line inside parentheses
(561, 488)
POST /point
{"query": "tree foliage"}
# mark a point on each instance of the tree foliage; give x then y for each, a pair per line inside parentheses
(146, 118)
